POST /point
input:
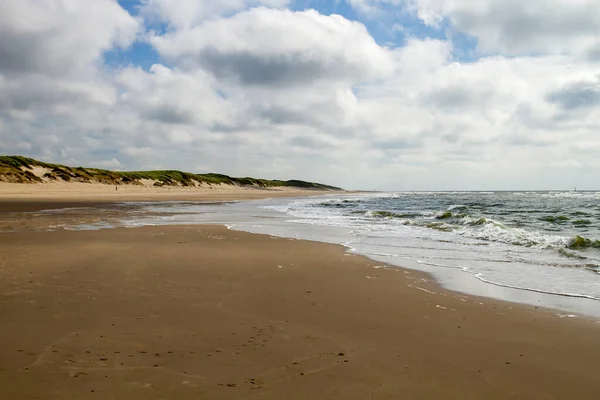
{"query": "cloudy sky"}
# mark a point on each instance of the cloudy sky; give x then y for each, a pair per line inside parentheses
(371, 94)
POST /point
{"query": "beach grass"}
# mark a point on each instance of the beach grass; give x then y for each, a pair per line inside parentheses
(18, 169)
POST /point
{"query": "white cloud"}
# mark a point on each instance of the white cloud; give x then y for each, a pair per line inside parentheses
(372, 8)
(52, 83)
(490, 120)
(187, 13)
(60, 37)
(112, 164)
(521, 27)
(172, 96)
(283, 94)
(53, 88)
(363, 6)
(37, 93)
(278, 47)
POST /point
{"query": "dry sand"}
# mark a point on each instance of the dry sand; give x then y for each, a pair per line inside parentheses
(205, 313)
(16, 197)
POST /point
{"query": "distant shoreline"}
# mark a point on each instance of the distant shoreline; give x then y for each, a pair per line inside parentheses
(16, 197)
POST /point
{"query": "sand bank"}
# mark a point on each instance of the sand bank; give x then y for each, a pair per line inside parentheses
(203, 312)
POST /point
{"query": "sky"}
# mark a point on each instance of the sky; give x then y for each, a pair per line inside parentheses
(362, 94)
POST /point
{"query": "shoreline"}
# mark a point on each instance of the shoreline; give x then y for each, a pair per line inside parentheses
(201, 310)
(439, 285)
(449, 280)
(16, 197)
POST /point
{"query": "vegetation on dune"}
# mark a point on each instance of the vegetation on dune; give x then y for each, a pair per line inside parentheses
(11, 169)
(18, 169)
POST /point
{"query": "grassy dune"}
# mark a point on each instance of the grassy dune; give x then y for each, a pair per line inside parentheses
(18, 169)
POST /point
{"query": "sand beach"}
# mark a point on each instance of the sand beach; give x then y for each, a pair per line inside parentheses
(199, 311)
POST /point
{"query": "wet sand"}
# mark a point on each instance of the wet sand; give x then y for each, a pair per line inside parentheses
(201, 312)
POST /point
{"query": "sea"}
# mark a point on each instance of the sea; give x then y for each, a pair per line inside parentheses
(535, 248)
